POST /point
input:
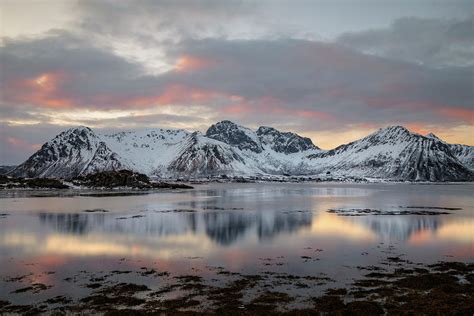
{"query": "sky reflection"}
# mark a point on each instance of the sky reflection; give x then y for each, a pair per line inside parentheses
(232, 221)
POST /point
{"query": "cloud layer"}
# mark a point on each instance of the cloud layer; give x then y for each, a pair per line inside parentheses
(432, 42)
(417, 72)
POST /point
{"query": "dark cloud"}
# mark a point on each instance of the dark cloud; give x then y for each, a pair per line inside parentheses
(304, 72)
(433, 42)
(147, 20)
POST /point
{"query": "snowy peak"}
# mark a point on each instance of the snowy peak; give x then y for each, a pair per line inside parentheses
(74, 152)
(235, 135)
(390, 135)
(431, 135)
(284, 142)
(150, 151)
(395, 153)
(201, 155)
(82, 137)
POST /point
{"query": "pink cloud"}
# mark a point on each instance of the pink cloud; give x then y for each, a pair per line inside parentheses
(43, 89)
(20, 143)
(462, 114)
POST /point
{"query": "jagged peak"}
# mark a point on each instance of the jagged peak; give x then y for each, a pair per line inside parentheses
(431, 135)
(235, 135)
(394, 128)
(79, 128)
(286, 142)
(226, 124)
(391, 131)
(262, 130)
(266, 129)
(79, 131)
(195, 135)
(398, 130)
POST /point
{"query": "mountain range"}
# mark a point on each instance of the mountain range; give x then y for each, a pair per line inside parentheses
(391, 153)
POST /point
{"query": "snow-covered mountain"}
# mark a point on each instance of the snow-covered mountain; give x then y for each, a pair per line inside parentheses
(230, 149)
(284, 142)
(77, 151)
(267, 150)
(464, 153)
(148, 151)
(200, 155)
(230, 133)
(394, 153)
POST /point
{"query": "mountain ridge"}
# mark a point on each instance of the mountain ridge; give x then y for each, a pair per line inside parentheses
(396, 153)
(392, 153)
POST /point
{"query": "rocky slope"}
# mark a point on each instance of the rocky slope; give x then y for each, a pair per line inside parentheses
(284, 142)
(464, 153)
(229, 149)
(235, 135)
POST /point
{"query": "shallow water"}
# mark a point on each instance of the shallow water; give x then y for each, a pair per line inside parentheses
(247, 228)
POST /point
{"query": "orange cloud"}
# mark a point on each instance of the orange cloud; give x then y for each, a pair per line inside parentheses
(42, 90)
(418, 128)
(191, 63)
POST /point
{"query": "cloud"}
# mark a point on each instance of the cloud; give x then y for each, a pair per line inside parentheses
(62, 79)
(168, 19)
(283, 77)
(18, 142)
(429, 41)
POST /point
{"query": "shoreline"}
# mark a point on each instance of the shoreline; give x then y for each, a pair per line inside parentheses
(178, 183)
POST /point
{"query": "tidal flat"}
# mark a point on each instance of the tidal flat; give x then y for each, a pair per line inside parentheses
(298, 249)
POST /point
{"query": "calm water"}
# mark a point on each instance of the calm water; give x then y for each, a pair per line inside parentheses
(248, 228)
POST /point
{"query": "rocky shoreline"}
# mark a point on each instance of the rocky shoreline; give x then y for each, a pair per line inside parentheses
(122, 179)
(395, 287)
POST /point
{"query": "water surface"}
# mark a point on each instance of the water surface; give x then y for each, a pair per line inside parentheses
(245, 228)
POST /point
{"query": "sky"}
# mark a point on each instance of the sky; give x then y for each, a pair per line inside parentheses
(331, 70)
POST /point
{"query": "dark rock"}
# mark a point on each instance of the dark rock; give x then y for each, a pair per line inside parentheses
(284, 142)
(234, 135)
(112, 179)
(123, 178)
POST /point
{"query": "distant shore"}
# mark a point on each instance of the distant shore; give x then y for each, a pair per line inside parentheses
(9, 183)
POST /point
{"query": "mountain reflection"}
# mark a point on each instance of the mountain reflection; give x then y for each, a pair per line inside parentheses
(228, 227)
(223, 227)
(399, 228)
(70, 223)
